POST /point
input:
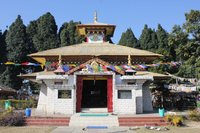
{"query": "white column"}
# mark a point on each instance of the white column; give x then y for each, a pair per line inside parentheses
(147, 98)
(139, 96)
(42, 101)
(50, 97)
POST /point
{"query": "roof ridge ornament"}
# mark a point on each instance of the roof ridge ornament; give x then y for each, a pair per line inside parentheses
(95, 17)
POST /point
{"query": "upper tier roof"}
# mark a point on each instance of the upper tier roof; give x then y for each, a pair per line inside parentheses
(95, 49)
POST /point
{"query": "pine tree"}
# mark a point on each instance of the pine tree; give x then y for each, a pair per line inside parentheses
(69, 35)
(64, 35)
(3, 51)
(16, 40)
(3, 54)
(128, 39)
(17, 47)
(153, 45)
(162, 36)
(145, 38)
(31, 31)
(46, 37)
(176, 41)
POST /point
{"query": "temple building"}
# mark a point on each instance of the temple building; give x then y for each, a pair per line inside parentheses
(94, 76)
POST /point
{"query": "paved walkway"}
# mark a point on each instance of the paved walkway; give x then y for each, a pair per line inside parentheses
(84, 130)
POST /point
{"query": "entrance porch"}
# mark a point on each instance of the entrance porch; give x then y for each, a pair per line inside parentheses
(94, 93)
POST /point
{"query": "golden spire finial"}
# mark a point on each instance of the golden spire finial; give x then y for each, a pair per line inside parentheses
(95, 17)
(129, 60)
(60, 60)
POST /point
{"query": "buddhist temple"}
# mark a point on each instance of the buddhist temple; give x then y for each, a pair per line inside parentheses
(95, 75)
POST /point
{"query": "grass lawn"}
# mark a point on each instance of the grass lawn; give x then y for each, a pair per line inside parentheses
(191, 127)
(171, 130)
(26, 129)
(198, 104)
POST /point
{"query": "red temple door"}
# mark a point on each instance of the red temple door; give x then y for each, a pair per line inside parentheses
(110, 94)
(79, 93)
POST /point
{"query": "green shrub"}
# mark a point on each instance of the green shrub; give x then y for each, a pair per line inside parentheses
(12, 119)
(168, 118)
(20, 104)
(194, 115)
(177, 121)
(174, 120)
(198, 104)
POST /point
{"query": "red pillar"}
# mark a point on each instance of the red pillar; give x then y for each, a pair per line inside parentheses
(110, 94)
(79, 93)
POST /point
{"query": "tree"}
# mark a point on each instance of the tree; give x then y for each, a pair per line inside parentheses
(192, 24)
(185, 41)
(68, 34)
(176, 41)
(146, 38)
(18, 48)
(3, 51)
(16, 40)
(153, 44)
(46, 35)
(128, 39)
(162, 36)
(31, 31)
(3, 54)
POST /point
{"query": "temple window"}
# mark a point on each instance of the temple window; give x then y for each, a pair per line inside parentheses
(58, 83)
(124, 94)
(131, 83)
(64, 94)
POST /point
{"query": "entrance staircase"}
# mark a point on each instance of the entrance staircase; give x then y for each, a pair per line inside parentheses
(47, 121)
(93, 119)
(142, 121)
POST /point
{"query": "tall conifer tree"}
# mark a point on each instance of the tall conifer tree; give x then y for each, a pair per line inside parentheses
(69, 35)
(46, 37)
(3, 51)
(145, 38)
(162, 36)
(31, 31)
(17, 47)
(128, 39)
(3, 54)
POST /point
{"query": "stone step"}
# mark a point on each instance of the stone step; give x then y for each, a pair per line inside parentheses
(142, 121)
(83, 121)
(143, 124)
(47, 121)
(151, 117)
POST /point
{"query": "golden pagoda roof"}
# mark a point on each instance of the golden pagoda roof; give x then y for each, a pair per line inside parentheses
(82, 28)
(95, 49)
(107, 28)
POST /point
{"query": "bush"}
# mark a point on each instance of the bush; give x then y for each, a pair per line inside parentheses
(168, 118)
(194, 115)
(20, 104)
(177, 121)
(174, 120)
(12, 119)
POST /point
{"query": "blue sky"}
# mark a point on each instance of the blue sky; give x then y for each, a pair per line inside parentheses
(123, 13)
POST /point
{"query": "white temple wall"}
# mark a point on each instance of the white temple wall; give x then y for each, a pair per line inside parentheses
(147, 98)
(133, 105)
(139, 101)
(42, 101)
(49, 103)
(63, 106)
(122, 105)
(139, 97)
(50, 96)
